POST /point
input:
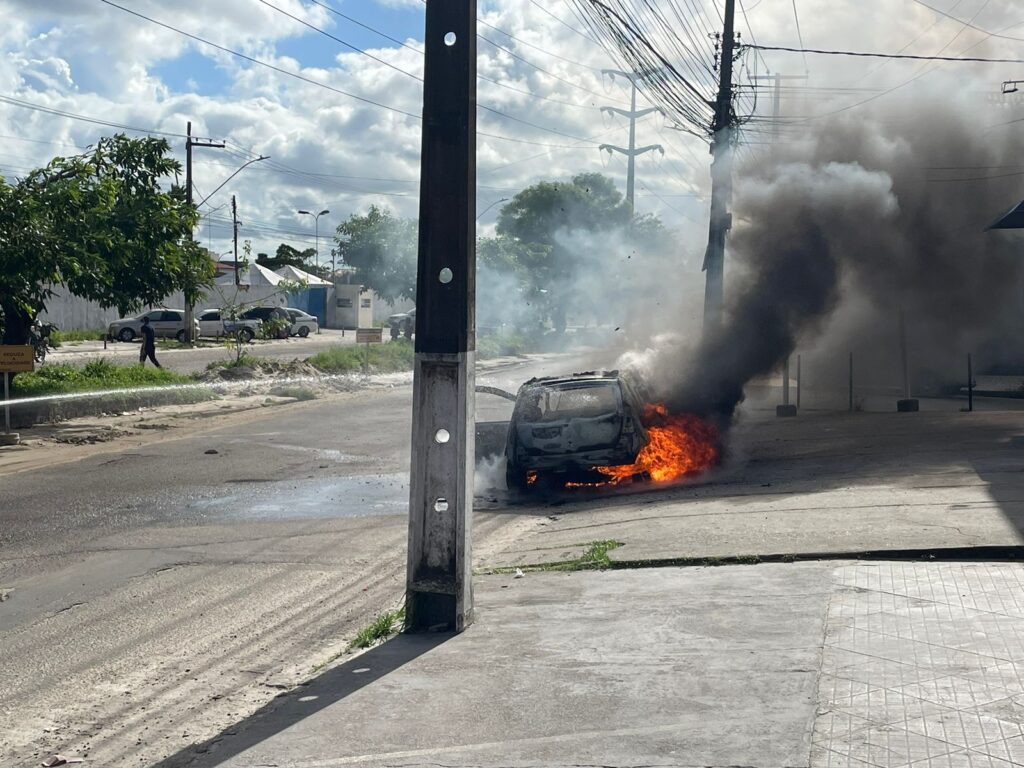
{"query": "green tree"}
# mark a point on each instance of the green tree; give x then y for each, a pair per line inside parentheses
(565, 228)
(381, 248)
(288, 256)
(110, 225)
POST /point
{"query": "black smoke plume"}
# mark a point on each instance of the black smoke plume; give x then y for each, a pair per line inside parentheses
(840, 232)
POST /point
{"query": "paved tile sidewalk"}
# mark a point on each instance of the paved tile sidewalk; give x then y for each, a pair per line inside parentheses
(922, 666)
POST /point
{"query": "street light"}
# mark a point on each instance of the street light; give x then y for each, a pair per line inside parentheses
(316, 224)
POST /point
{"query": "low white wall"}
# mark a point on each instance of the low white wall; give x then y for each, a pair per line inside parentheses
(73, 313)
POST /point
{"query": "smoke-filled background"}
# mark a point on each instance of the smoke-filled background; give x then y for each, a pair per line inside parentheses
(839, 230)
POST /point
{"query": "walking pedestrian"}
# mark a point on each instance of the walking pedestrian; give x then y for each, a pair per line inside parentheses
(148, 344)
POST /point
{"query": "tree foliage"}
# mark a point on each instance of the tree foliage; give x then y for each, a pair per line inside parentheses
(381, 248)
(289, 256)
(569, 242)
(109, 225)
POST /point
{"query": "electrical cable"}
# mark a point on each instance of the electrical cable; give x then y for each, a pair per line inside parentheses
(872, 55)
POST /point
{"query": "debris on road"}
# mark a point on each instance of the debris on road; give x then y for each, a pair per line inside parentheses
(54, 760)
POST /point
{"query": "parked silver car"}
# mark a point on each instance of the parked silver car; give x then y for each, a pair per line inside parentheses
(166, 323)
(303, 323)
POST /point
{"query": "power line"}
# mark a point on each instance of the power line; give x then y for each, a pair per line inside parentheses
(261, 63)
(871, 55)
(85, 118)
(537, 47)
(339, 40)
(799, 34)
(568, 26)
(346, 93)
(970, 24)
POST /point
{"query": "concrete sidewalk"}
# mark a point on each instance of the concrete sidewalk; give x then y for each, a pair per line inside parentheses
(821, 484)
(829, 663)
(810, 664)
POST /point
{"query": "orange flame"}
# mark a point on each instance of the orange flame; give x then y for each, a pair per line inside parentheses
(679, 445)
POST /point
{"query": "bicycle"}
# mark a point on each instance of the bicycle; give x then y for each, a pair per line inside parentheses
(39, 338)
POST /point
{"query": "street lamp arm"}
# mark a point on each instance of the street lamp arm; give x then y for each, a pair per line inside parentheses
(229, 178)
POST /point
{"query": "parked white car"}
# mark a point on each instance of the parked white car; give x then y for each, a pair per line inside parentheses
(212, 322)
(166, 323)
(303, 323)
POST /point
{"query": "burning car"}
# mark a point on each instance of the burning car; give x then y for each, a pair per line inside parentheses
(569, 426)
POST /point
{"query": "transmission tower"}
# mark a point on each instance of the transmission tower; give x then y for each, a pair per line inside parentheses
(631, 152)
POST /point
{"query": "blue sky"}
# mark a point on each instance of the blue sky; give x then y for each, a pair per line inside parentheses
(195, 70)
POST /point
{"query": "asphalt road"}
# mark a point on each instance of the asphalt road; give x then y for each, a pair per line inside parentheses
(157, 594)
(196, 359)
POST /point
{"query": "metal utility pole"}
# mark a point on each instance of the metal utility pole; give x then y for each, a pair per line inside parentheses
(316, 229)
(234, 227)
(631, 152)
(785, 409)
(439, 589)
(721, 175)
(189, 143)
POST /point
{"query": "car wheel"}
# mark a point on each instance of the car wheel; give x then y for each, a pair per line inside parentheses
(246, 335)
(304, 331)
(126, 334)
(180, 336)
(515, 479)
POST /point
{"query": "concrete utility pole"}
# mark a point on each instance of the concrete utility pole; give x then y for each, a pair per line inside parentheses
(721, 175)
(439, 588)
(786, 408)
(189, 143)
(631, 152)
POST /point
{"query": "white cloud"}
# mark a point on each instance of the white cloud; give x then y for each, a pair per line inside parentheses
(86, 57)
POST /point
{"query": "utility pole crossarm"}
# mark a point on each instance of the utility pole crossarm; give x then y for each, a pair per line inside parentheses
(635, 114)
(633, 152)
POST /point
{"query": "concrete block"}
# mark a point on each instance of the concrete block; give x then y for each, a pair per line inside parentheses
(9, 438)
(785, 410)
(909, 405)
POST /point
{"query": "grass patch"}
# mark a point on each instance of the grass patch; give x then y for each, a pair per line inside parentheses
(99, 374)
(117, 383)
(239, 361)
(392, 356)
(594, 558)
(504, 345)
(63, 337)
(385, 625)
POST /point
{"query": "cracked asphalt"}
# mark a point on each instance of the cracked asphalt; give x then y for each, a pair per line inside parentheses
(159, 594)
(160, 587)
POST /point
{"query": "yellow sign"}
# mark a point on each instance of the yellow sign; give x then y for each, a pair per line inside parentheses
(17, 359)
(369, 335)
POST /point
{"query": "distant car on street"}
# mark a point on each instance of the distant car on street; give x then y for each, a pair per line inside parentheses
(403, 324)
(567, 425)
(166, 323)
(303, 323)
(274, 318)
(215, 323)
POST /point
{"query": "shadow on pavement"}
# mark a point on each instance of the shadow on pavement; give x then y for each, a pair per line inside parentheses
(306, 700)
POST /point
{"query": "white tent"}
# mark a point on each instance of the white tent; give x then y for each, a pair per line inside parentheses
(254, 275)
(294, 273)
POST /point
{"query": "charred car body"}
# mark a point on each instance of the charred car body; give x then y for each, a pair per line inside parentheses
(565, 426)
